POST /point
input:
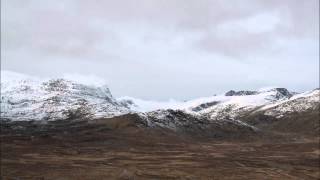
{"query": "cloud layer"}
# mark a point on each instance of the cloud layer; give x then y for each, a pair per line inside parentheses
(158, 49)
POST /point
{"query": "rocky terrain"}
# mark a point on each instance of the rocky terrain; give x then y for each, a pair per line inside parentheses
(61, 129)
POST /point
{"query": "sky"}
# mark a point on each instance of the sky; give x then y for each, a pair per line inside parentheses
(164, 49)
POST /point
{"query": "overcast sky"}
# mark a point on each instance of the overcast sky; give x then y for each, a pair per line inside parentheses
(162, 49)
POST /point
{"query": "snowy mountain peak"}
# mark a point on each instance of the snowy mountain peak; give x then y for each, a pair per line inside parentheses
(280, 92)
(297, 103)
(67, 86)
(28, 98)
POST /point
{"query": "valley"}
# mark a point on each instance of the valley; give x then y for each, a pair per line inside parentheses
(121, 149)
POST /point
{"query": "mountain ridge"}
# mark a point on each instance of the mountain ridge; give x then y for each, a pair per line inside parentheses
(24, 98)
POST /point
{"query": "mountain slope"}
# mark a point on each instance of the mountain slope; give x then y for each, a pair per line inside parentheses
(299, 114)
(228, 106)
(27, 98)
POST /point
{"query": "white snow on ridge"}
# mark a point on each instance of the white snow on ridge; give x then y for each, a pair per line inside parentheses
(221, 107)
(297, 103)
(310, 95)
(260, 99)
(146, 106)
(25, 97)
(28, 98)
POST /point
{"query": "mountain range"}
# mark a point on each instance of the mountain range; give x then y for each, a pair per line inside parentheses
(62, 129)
(25, 98)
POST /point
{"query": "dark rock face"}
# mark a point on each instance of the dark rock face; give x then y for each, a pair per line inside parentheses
(283, 92)
(176, 119)
(204, 106)
(184, 123)
(240, 93)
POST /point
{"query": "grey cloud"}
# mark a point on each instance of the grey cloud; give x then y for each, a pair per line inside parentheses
(215, 44)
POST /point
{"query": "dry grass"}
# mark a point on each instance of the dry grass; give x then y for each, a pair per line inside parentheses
(129, 152)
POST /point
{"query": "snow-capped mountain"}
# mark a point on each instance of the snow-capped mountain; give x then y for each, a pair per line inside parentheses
(28, 98)
(233, 103)
(240, 98)
(306, 101)
(231, 107)
(239, 112)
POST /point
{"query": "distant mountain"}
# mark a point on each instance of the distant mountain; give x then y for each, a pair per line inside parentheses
(231, 107)
(274, 109)
(232, 104)
(26, 98)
